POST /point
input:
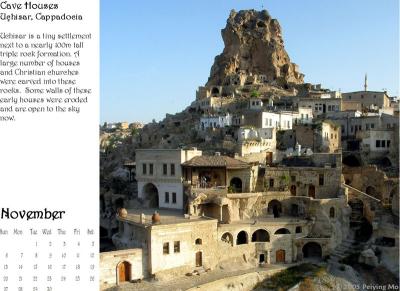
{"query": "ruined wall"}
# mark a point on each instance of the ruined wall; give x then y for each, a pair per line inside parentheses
(371, 180)
(301, 180)
(130, 235)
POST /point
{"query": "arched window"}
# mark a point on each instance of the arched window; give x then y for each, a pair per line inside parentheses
(227, 238)
(282, 231)
(198, 241)
(260, 235)
(242, 238)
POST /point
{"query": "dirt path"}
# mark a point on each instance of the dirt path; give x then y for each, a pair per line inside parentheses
(187, 282)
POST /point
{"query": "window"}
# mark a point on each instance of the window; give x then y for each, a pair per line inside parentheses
(335, 136)
(388, 143)
(198, 241)
(378, 143)
(174, 197)
(362, 96)
(293, 178)
(172, 169)
(165, 169)
(166, 248)
(372, 125)
(298, 229)
(321, 179)
(151, 169)
(144, 169)
(367, 126)
(166, 197)
(383, 143)
(177, 246)
(270, 122)
(351, 128)
(349, 97)
(271, 183)
(331, 135)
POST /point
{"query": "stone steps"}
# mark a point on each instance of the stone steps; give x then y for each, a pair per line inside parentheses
(346, 247)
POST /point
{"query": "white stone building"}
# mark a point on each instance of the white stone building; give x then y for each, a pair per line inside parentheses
(304, 115)
(278, 120)
(158, 174)
(215, 121)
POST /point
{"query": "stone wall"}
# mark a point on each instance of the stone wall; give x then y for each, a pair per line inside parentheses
(110, 262)
(184, 260)
(302, 180)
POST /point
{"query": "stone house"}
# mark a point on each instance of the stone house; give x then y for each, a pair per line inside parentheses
(219, 172)
(255, 104)
(215, 121)
(256, 140)
(367, 99)
(319, 137)
(158, 175)
(321, 105)
(317, 176)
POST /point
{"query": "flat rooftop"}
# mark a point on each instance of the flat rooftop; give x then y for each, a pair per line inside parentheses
(167, 216)
(284, 220)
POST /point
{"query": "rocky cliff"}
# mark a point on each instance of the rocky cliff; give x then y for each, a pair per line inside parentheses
(253, 46)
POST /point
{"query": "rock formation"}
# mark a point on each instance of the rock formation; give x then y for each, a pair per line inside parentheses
(253, 48)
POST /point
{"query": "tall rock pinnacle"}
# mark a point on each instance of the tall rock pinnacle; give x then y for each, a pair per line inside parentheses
(253, 46)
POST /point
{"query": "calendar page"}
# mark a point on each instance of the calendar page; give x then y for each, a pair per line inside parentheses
(49, 96)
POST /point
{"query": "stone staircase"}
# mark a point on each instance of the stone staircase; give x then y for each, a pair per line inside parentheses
(344, 249)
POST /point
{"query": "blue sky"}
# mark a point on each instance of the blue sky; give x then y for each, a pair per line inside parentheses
(154, 54)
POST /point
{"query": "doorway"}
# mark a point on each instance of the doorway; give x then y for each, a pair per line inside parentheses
(280, 256)
(311, 191)
(199, 259)
(124, 272)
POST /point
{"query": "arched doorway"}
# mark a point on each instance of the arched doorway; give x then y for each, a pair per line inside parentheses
(280, 256)
(293, 190)
(311, 191)
(228, 238)
(312, 250)
(242, 238)
(260, 235)
(385, 162)
(215, 91)
(199, 259)
(151, 195)
(124, 272)
(275, 207)
(351, 161)
(236, 185)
